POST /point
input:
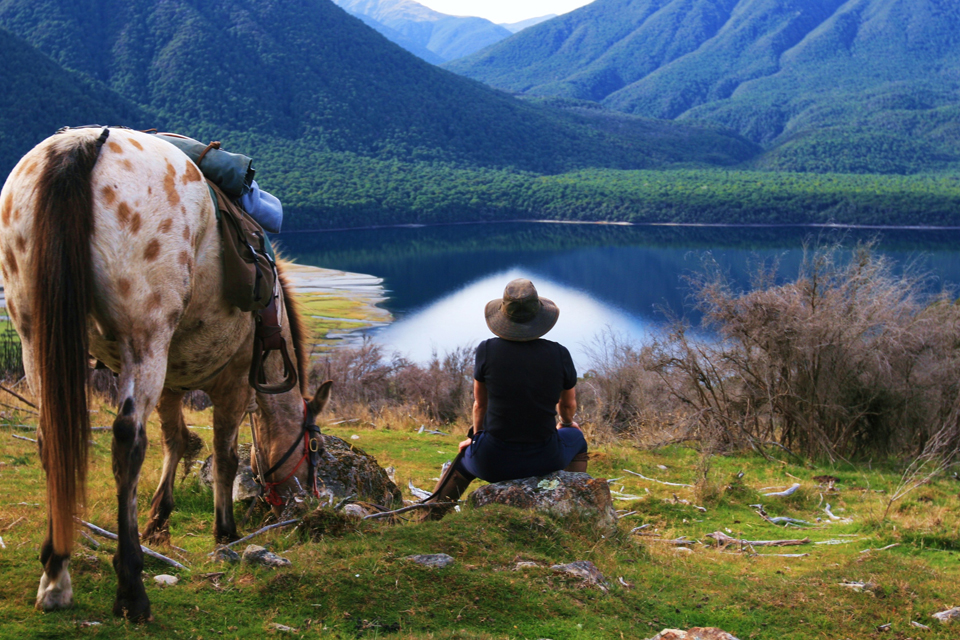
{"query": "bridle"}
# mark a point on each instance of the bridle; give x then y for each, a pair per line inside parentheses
(312, 451)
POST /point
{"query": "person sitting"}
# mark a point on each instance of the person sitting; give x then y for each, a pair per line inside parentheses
(521, 383)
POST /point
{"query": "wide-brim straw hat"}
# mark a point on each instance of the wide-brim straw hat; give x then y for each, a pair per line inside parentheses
(521, 315)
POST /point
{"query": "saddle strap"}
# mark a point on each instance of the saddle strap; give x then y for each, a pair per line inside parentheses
(267, 337)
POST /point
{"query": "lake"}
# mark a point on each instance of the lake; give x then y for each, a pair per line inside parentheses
(439, 278)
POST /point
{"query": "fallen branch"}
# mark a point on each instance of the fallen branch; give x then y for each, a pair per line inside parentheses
(14, 523)
(770, 555)
(13, 435)
(677, 542)
(784, 493)
(889, 546)
(724, 540)
(422, 505)
(18, 396)
(669, 484)
(10, 406)
(285, 523)
(150, 552)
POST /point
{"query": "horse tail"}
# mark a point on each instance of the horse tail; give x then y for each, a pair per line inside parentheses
(62, 284)
(298, 330)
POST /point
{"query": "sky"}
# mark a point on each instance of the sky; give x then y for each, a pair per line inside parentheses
(503, 11)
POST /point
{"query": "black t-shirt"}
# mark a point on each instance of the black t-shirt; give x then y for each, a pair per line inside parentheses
(524, 381)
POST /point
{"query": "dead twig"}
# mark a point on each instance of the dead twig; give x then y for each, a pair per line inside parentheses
(669, 484)
(285, 523)
(422, 505)
(18, 396)
(889, 546)
(13, 435)
(723, 540)
(782, 494)
(10, 406)
(150, 552)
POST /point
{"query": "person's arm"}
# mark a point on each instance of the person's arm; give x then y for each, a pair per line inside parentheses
(479, 410)
(567, 408)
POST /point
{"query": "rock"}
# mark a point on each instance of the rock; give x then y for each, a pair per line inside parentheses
(583, 569)
(524, 564)
(224, 554)
(244, 485)
(437, 560)
(562, 494)
(345, 470)
(255, 554)
(948, 615)
(166, 580)
(696, 633)
(355, 511)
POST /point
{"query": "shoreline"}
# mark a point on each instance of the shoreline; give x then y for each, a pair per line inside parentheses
(615, 223)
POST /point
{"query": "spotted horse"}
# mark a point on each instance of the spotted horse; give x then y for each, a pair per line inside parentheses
(109, 246)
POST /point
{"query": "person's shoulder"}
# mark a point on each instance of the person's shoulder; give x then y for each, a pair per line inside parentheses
(550, 344)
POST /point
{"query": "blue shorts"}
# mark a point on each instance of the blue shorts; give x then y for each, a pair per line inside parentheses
(494, 460)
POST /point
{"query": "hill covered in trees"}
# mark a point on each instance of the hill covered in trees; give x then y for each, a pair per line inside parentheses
(828, 85)
(445, 37)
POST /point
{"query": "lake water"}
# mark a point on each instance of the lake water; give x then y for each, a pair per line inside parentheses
(438, 279)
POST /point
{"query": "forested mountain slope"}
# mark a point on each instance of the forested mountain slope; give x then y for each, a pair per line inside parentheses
(308, 77)
(39, 97)
(849, 85)
(447, 37)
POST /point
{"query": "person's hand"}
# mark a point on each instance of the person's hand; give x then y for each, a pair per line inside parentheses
(572, 425)
(464, 444)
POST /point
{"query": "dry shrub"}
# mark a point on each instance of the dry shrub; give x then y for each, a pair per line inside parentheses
(621, 395)
(369, 382)
(849, 359)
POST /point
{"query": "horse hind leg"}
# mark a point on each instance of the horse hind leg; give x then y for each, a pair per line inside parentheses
(141, 383)
(178, 443)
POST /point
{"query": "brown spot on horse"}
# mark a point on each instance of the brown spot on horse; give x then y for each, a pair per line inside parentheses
(113, 146)
(7, 205)
(136, 144)
(11, 261)
(123, 214)
(173, 319)
(155, 301)
(12, 309)
(152, 251)
(186, 233)
(192, 174)
(109, 195)
(21, 243)
(127, 165)
(30, 168)
(135, 222)
(166, 225)
(123, 286)
(186, 260)
(170, 185)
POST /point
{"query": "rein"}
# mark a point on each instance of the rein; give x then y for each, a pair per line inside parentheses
(312, 450)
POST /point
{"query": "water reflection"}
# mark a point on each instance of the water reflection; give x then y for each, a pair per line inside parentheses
(438, 278)
(457, 319)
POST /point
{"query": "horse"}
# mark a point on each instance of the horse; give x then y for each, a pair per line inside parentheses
(109, 248)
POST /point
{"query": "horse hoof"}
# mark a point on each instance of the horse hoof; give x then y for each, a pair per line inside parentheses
(133, 610)
(55, 594)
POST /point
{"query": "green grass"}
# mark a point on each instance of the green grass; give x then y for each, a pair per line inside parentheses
(359, 585)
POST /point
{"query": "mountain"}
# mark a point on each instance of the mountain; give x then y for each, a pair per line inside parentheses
(446, 37)
(40, 97)
(310, 74)
(841, 85)
(515, 27)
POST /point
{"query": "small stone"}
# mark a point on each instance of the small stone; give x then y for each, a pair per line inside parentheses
(696, 633)
(255, 554)
(355, 511)
(583, 569)
(948, 615)
(525, 564)
(225, 554)
(354, 437)
(166, 580)
(437, 560)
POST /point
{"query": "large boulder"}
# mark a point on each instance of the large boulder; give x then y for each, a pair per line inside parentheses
(346, 470)
(562, 493)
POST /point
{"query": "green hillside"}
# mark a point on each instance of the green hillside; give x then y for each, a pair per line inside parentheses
(871, 81)
(314, 77)
(446, 37)
(40, 97)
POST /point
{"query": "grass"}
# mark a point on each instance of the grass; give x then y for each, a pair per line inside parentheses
(359, 585)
